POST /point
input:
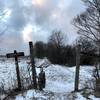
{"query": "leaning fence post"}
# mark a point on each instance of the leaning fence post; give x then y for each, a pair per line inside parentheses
(33, 65)
(77, 67)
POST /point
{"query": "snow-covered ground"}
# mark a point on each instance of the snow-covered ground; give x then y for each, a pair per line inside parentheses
(59, 81)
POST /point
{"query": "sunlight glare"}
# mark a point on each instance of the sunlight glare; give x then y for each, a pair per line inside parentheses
(27, 33)
(38, 2)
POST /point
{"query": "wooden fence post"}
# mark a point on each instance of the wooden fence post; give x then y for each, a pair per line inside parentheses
(33, 65)
(77, 67)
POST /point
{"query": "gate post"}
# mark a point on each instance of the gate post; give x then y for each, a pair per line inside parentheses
(77, 68)
(33, 65)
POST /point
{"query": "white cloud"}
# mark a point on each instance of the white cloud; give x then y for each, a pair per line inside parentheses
(35, 19)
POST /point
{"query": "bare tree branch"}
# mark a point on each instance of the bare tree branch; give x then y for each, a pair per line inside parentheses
(88, 23)
(2, 15)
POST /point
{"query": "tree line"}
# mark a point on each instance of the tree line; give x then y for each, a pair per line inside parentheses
(60, 53)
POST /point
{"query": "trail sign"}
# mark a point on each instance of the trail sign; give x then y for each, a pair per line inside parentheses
(16, 55)
(11, 55)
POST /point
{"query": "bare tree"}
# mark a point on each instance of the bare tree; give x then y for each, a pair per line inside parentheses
(57, 38)
(88, 47)
(2, 15)
(56, 43)
(88, 23)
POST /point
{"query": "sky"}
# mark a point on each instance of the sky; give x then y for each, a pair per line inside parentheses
(34, 20)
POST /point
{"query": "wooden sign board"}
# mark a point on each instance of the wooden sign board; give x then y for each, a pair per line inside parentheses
(11, 55)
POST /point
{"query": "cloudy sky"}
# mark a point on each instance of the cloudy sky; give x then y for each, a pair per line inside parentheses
(26, 20)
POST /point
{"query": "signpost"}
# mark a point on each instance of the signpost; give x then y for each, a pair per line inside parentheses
(16, 55)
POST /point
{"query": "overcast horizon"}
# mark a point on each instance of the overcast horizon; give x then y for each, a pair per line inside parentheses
(34, 20)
